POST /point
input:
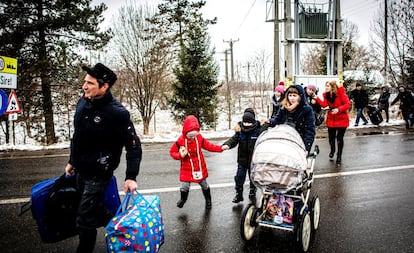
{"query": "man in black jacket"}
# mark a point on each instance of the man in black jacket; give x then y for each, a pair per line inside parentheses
(102, 128)
(360, 99)
(406, 105)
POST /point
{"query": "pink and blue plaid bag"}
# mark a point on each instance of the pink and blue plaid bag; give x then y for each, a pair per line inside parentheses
(138, 228)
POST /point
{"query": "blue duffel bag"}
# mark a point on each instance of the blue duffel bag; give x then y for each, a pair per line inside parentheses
(54, 204)
(137, 228)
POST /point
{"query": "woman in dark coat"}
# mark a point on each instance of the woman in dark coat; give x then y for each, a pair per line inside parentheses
(295, 111)
(383, 102)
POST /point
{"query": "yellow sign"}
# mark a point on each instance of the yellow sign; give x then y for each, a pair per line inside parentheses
(8, 65)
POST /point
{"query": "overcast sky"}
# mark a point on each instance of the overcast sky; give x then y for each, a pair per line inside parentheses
(244, 22)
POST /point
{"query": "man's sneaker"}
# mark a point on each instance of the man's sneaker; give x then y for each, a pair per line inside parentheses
(238, 198)
(365, 123)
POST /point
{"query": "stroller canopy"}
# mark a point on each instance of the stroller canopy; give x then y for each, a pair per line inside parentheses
(279, 158)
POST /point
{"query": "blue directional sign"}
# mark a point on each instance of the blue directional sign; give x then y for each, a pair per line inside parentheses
(3, 102)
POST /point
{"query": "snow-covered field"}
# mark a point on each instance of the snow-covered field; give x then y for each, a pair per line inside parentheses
(164, 129)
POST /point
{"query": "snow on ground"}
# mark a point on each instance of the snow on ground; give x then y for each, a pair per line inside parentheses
(168, 131)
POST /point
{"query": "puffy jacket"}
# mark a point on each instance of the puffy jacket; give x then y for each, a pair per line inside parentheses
(406, 100)
(302, 117)
(246, 139)
(360, 98)
(102, 128)
(194, 161)
(341, 102)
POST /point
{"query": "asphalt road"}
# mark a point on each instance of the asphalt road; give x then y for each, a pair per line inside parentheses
(366, 204)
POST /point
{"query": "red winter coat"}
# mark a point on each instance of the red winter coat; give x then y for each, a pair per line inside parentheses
(341, 102)
(195, 158)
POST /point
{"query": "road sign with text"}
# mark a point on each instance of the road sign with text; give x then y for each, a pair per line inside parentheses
(8, 72)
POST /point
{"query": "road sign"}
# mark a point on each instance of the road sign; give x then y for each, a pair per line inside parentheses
(13, 105)
(8, 65)
(3, 102)
(8, 72)
(8, 81)
(13, 116)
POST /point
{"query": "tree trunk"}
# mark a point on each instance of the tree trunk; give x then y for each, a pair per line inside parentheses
(46, 90)
(146, 123)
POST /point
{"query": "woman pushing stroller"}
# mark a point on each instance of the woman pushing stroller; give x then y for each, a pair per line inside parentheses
(297, 113)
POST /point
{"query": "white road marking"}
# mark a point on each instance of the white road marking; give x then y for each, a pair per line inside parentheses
(223, 185)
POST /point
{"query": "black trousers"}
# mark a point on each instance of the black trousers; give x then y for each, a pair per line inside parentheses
(336, 135)
(91, 212)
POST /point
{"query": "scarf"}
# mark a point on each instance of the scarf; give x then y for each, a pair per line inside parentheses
(331, 97)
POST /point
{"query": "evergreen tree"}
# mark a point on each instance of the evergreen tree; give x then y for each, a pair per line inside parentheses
(38, 33)
(195, 90)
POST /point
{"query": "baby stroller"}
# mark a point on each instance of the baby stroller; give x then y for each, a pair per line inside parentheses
(284, 176)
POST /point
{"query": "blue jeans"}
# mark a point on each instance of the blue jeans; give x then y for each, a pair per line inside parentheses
(360, 115)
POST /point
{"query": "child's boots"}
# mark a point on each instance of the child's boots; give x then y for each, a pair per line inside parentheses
(207, 196)
(184, 196)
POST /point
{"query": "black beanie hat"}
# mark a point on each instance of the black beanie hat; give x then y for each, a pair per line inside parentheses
(249, 116)
(102, 73)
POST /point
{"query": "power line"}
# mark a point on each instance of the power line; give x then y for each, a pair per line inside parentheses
(360, 7)
(245, 17)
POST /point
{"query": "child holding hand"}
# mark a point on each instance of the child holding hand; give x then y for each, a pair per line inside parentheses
(193, 169)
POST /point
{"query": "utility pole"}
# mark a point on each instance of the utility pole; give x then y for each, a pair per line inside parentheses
(231, 58)
(276, 44)
(385, 41)
(338, 30)
(228, 93)
(287, 19)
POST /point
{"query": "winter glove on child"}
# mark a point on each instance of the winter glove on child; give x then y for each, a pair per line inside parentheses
(183, 151)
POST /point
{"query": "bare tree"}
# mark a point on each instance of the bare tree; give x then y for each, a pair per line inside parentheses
(312, 60)
(260, 76)
(400, 39)
(144, 58)
(355, 57)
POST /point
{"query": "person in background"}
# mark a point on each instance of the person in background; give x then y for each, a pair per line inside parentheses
(337, 120)
(245, 136)
(277, 98)
(193, 169)
(310, 91)
(102, 129)
(360, 99)
(406, 105)
(383, 102)
(296, 112)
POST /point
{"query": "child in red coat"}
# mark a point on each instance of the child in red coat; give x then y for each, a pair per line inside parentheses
(193, 168)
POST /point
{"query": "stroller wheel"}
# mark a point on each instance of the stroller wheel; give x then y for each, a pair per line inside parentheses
(315, 212)
(248, 222)
(304, 232)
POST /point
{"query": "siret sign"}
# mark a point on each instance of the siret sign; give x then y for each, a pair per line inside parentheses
(8, 72)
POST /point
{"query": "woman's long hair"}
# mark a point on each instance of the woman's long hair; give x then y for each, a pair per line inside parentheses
(291, 89)
(330, 96)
